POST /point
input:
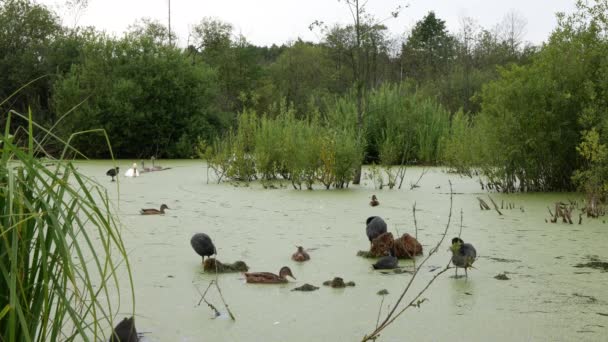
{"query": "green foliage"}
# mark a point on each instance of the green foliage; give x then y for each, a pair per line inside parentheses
(414, 122)
(60, 247)
(461, 146)
(28, 36)
(149, 98)
(531, 119)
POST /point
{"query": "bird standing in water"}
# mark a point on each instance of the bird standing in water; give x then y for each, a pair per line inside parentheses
(112, 173)
(463, 255)
(202, 245)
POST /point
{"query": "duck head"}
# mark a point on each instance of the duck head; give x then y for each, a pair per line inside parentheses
(369, 219)
(164, 206)
(374, 198)
(284, 272)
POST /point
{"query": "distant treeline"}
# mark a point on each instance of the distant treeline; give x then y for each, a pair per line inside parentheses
(528, 117)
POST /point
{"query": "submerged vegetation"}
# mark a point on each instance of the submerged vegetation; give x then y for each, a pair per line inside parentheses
(60, 247)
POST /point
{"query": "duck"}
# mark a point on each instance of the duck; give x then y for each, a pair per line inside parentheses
(387, 262)
(269, 278)
(152, 211)
(374, 202)
(300, 255)
(202, 245)
(463, 255)
(112, 172)
(375, 227)
(132, 172)
(125, 331)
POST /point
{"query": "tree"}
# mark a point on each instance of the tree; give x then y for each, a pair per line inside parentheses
(148, 96)
(301, 73)
(364, 26)
(429, 49)
(27, 30)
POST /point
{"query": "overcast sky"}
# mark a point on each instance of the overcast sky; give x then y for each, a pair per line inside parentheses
(264, 22)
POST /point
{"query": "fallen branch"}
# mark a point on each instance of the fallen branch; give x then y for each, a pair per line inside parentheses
(392, 315)
(495, 206)
(482, 204)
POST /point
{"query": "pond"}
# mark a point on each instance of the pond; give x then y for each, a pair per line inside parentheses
(545, 298)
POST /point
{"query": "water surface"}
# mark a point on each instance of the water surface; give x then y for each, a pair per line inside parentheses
(546, 298)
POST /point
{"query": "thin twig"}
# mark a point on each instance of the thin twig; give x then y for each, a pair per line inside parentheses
(415, 185)
(379, 312)
(460, 231)
(203, 294)
(224, 301)
(391, 316)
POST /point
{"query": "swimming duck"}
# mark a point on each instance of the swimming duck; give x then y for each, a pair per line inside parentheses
(132, 172)
(125, 331)
(300, 255)
(112, 173)
(374, 202)
(463, 255)
(269, 278)
(387, 262)
(375, 227)
(202, 245)
(152, 211)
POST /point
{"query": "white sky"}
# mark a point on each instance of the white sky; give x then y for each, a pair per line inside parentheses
(264, 22)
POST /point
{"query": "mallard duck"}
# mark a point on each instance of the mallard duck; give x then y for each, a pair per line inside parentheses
(202, 245)
(300, 255)
(132, 172)
(112, 173)
(374, 202)
(125, 331)
(152, 211)
(375, 227)
(463, 255)
(269, 278)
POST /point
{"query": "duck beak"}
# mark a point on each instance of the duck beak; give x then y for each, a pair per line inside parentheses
(294, 278)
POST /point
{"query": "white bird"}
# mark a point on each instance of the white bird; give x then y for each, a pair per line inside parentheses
(132, 172)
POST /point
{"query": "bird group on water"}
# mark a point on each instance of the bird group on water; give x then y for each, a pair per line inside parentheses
(463, 256)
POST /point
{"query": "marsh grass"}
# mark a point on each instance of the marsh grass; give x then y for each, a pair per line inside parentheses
(60, 246)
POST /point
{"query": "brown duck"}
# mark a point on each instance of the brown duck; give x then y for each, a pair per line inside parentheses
(269, 278)
(300, 255)
(154, 211)
(374, 202)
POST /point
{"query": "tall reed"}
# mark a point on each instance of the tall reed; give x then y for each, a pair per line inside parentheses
(60, 246)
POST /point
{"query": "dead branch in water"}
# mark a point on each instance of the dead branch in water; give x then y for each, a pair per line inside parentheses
(482, 204)
(393, 314)
(215, 310)
(495, 206)
(415, 185)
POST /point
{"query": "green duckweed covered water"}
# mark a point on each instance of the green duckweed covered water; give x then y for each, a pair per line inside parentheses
(546, 297)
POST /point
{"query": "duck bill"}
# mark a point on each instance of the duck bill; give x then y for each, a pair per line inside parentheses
(294, 278)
